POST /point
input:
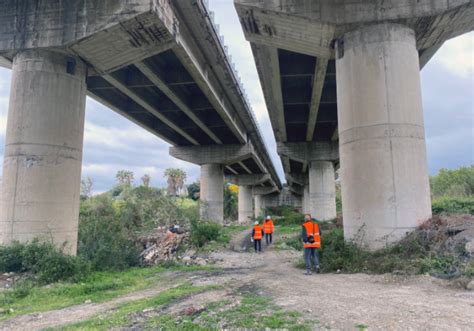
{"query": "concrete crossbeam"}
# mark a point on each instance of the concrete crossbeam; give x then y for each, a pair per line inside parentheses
(260, 190)
(254, 179)
(43, 152)
(309, 27)
(220, 154)
(300, 179)
(318, 83)
(309, 151)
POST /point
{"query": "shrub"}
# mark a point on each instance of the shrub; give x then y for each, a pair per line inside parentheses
(43, 260)
(204, 232)
(460, 205)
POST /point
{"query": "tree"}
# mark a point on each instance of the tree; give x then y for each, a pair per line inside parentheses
(146, 180)
(193, 191)
(176, 179)
(124, 177)
(86, 188)
(230, 202)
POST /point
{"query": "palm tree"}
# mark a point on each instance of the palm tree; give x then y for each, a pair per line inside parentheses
(176, 179)
(125, 177)
(146, 180)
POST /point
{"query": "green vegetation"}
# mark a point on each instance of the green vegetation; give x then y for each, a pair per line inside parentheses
(412, 255)
(285, 215)
(451, 205)
(209, 236)
(453, 191)
(123, 315)
(252, 312)
(231, 202)
(97, 287)
(45, 262)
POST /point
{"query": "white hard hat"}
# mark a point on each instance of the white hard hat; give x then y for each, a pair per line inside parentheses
(268, 217)
(256, 223)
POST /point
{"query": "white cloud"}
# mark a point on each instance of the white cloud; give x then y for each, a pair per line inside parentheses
(457, 55)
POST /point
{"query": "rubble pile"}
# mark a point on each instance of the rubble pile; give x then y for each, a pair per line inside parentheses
(169, 245)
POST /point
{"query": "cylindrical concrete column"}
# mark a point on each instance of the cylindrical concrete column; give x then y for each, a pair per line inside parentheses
(322, 190)
(384, 177)
(212, 192)
(305, 200)
(245, 204)
(43, 149)
(258, 205)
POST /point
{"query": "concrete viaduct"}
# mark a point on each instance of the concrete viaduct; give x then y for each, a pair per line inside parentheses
(340, 78)
(342, 86)
(161, 64)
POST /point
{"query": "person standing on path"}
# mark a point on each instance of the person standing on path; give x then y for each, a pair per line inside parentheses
(257, 235)
(268, 228)
(311, 236)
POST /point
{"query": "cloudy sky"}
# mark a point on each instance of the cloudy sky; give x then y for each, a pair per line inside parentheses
(112, 143)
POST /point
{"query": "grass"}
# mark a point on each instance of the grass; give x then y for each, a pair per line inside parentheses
(98, 287)
(124, 314)
(224, 238)
(251, 312)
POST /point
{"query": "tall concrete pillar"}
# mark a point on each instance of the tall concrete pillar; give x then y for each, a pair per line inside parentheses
(258, 205)
(385, 187)
(245, 204)
(322, 190)
(305, 199)
(212, 192)
(43, 149)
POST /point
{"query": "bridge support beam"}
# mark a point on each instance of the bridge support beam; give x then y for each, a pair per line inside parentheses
(212, 192)
(385, 187)
(245, 204)
(322, 190)
(305, 204)
(43, 152)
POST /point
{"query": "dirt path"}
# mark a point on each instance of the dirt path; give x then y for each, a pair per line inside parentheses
(338, 301)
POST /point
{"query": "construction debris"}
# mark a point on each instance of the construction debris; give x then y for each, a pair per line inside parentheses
(165, 244)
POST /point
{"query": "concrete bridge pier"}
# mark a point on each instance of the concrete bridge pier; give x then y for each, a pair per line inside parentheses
(43, 152)
(258, 205)
(305, 204)
(384, 176)
(245, 204)
(322, 190)
(212, 192)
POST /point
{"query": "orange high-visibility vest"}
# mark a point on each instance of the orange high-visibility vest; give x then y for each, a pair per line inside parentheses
(268, 226)
(257, 234)
(312, 229)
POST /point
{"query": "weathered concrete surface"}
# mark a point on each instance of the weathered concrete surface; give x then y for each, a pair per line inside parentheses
(322, 190)
(258, 205)
(42, 162)
(305, 200)
(384, 176)
(212, 192)
(245, 207)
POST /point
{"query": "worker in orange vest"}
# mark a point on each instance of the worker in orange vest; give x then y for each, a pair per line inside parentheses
(311, 235)
(257, 235)
(268, 228)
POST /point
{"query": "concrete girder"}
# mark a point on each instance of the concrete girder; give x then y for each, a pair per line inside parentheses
(318, 83)
(160, 83)
(245, 167)
(267, 63)
(254, 179)
(148, 106)
(219, 154)
(309, 151)
(296, 190)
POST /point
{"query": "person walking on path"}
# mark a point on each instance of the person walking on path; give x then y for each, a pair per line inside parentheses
(311, 236)
(257, 235)
(268, 228)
